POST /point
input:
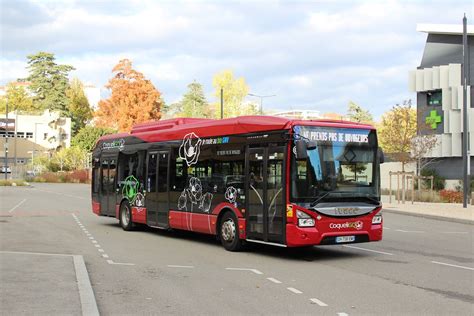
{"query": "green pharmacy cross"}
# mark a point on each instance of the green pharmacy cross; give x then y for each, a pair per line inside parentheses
(433, 120)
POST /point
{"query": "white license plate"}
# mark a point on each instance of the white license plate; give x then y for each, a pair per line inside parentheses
(341, 239)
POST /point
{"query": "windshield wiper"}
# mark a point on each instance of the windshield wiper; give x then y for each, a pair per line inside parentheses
(374, 200)
(316, 202)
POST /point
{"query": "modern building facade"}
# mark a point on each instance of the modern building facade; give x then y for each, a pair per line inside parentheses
(439, 95)
(32, 135)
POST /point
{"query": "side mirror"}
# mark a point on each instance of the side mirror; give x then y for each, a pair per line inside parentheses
(311, 145)
(381, 155)
(301, 150)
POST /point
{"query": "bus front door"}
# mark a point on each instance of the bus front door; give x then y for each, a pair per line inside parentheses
(107, 189)
(265, 189)
(156, 201)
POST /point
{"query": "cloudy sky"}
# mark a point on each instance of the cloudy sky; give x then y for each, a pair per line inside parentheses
(314, 55)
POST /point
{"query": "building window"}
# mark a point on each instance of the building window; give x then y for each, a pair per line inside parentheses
(29, 135)
(435, 98)
(45, 136)
(20, 161)
(20, 134)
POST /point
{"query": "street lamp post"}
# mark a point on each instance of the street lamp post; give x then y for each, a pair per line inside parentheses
(6, 141)
(261, 99)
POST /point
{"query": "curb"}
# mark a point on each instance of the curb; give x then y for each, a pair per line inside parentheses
(429, 216)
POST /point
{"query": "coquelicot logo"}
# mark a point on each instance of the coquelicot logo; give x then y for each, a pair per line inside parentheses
(357, 225)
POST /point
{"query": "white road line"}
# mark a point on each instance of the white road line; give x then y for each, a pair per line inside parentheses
(409, 231)
(36, 253)
(274, 280)
(91, 237)
(370, 250)
(15, 207)
(105, 255)
(120, 263)
(98, 246)
(86, 294)
(452, 265)
(454, 232)
(178, 266)
(316, 301)
(342, 314)
(94, 241)
(292, 289)
(386, 227)
(100, 250)
(245, 269)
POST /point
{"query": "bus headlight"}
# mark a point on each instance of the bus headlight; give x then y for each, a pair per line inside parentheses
(304, 220)
(377, 219)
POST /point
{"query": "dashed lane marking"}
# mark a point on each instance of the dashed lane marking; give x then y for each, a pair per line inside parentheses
(292, 289)
(454, 233)
(120, 263)
(409, 231)
(342, 314)
(274, 280)
(369, 250)
(452, 265)
(245, 269)
(178, 266)
(16, 206)
(316, 301)
(97, 246)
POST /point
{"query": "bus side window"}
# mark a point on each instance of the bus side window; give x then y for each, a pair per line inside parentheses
(95, 180)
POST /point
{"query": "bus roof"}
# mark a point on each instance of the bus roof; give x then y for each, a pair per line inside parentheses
(174, 129)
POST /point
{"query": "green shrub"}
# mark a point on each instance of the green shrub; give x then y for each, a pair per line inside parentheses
(438, 182)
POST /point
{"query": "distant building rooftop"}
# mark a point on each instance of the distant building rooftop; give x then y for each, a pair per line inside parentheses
(447, 29)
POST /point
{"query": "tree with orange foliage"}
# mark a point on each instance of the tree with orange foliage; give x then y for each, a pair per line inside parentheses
(133, 99)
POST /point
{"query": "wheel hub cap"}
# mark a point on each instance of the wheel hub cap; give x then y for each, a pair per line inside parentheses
(228, 230)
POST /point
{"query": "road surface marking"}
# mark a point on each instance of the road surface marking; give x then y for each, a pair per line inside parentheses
(36, 253)
(86, 294)
(100, 250)
(370, 250)
(292, 289)
(245, 269)
(105, 255)
(97, 245)
(409, 231)
(94, 241)
(91, 237)
(15, 207)
(178, 266)
(120, 263)
(386, 227)
(454, 232)
(274, 280)
(452, 265)
(342, 314)
(316, 301)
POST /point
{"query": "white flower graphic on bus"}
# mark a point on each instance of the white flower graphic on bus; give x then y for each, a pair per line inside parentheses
(192, 195)
(231, 194)
(190, 148)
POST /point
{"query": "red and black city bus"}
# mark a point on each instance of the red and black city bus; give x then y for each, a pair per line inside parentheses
(259, 179)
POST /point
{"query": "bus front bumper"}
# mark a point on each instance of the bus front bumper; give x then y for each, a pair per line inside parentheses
(308, 236)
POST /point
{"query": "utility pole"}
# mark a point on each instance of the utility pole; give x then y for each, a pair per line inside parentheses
(261, 99)
(465, 139)
(222, 103)
(6, 142)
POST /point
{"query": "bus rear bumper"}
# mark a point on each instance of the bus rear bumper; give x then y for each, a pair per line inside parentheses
(300, 237)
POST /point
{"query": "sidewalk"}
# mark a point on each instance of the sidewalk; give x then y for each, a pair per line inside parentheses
(453, 212)
(45, 284)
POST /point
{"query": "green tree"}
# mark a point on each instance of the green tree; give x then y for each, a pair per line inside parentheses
(397, 131)
(235, 91)
(79, 108)
(49, 82)
(194, 103)
(356, 113)
(18, 99)
(87, 137)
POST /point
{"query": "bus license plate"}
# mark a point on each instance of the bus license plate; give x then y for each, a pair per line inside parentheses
(341, 239)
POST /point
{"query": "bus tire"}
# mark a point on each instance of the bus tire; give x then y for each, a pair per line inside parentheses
(125, 216)
(229, 233)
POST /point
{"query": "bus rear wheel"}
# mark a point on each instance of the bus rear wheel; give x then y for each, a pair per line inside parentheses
(125, 216)
(228, 232)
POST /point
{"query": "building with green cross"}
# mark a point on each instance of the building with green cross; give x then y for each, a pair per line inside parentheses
(437, 83)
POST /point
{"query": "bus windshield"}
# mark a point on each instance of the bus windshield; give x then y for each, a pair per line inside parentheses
(342, 167)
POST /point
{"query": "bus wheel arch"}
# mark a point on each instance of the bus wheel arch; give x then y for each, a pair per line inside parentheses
(227, 229)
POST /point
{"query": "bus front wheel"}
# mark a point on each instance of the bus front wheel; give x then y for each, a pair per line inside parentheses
(126, 216)
(229, 233)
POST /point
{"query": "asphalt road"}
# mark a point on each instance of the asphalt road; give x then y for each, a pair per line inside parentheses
(422, 266)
